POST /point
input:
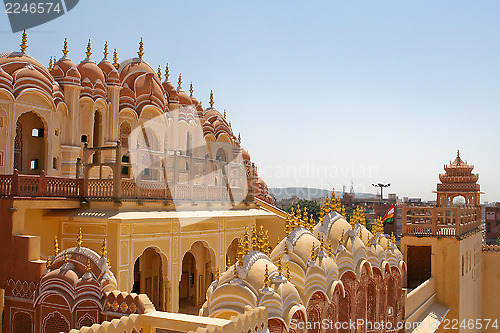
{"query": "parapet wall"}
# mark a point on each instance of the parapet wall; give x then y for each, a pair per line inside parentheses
(253, 320)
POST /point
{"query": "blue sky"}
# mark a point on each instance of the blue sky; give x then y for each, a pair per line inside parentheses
(323, 92)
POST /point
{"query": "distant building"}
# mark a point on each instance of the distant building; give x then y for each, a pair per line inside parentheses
(492, 214)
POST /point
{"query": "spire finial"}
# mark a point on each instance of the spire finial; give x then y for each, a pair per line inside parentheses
(287, 271)
(24, 43)
(48, 264)
(280, 270)
(115, 59)
(341, 240)
(109, 264)
(66, 258)
(159, 72)
(56, 246)
(179, 82)
(235, 271)
(88, 265)
(141, 49)
(65, 48)
(103, 248)
(458, 152)
(266, 277)
(79, 239)
(89, 49)
(105, 50)
(224, 113)
(50, 64)
(211, 99)
(240, 252)
(246, 242)
(217, 274)
(167, 73)
(228, 263)
(239, 138)
(191, 90)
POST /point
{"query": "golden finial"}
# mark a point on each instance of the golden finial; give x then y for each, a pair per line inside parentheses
(312, 223)
(266, 243)
(179, 81)
(260, 240)
(191, 90)
(240, 252)
(217, 274)
(48, 264)
(141, 49)
(255, 246)
(167, 73)
(88, 266)
(299, 213)
(341, 240)
(66, 258)
(393, 238)
(24, 43)
(228, 263)
(105, 50)
(79, 239)
(211, 99)
(285, 249)
(458, 150)
(287, 225)
(266, 277)
(246, 242)
(327, 205)
(287, 271)
(65, 48)
(313, 253)
(159, 72)
(56, 246)
(235, 272)
(115, 59)
(279, 265)
(239, 138)
(88, 53)
(50, 64)
(321, 214)
(368, 241)
(103, 248)
(329, 248)
(224, 113)
(109, 264)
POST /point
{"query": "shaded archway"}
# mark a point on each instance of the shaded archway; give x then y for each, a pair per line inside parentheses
(148, 277)
(221, 155)
(315, 309)
(197, 275)
(231, 251)
(30, 144)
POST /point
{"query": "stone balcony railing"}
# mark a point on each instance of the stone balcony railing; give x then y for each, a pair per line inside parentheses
(440, 221)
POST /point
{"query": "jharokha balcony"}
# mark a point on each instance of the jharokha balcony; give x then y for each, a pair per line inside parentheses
(201, 180)
(453, 221)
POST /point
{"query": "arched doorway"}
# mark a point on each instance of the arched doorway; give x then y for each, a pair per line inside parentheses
(221, 155)
(148, 277)
(30, 144)
(197, 275)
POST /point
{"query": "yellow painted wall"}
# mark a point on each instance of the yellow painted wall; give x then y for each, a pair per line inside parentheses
(491, 287)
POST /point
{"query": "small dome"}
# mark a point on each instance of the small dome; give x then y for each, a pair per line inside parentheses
(112, 76)
(90, 70)
(65, 72)
(184, 98)
(130, 69)
(245, 155)
(30, 77)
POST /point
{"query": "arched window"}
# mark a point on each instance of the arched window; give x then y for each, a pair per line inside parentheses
(22, 323)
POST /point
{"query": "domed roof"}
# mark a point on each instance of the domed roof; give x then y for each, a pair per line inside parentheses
(88, 69)
(148, 90)
(131, 68)
(5, 80)
(245, 155)
(65, 72)
(30, 77)
(112, 76)
(26, 72)
(184, 98)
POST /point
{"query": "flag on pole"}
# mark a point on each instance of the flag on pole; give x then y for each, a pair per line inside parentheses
(389, 216)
